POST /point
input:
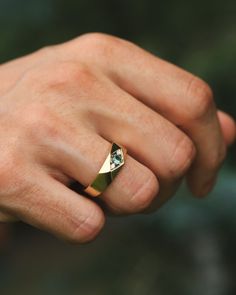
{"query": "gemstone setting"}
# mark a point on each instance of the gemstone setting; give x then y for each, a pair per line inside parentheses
(117, 159)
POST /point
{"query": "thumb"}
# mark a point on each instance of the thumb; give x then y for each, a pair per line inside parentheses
(228, 127)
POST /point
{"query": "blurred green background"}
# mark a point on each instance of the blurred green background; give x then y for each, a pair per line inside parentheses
(188, 247)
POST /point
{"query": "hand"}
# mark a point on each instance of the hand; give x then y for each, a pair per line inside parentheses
(63, 105)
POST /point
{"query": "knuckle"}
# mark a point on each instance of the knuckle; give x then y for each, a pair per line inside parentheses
(60, 77)
(71, 71)
(201, 100)
(144, 193)
(88, 228)
(98, 39)
(78, 75)
(181, 158)
(47, 51)
(104, 45)
(39, 117)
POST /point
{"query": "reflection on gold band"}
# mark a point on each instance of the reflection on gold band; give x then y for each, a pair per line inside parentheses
(111, 167)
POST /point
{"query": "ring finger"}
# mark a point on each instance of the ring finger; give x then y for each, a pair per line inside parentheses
(151, 140)
(80, 156)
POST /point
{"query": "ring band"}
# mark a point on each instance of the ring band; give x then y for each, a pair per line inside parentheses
(110, 169)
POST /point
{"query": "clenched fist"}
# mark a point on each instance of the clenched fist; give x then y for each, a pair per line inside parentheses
(62, 107)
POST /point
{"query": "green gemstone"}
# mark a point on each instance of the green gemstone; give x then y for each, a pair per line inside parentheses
(116, 158)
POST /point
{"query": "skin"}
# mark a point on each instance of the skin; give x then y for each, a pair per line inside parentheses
(61, 107)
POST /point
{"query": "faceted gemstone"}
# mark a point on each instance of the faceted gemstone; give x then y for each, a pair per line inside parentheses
(116, 159)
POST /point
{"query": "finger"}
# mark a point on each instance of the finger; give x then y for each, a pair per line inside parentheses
(80, 153)
(228, 127)
(150, 139)
(133, 189)
(51, 206)
(179, 96)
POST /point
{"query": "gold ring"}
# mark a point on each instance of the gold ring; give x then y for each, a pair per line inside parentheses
(110, 169)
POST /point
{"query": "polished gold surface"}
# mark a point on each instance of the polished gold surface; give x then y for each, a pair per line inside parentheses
(111, 167)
